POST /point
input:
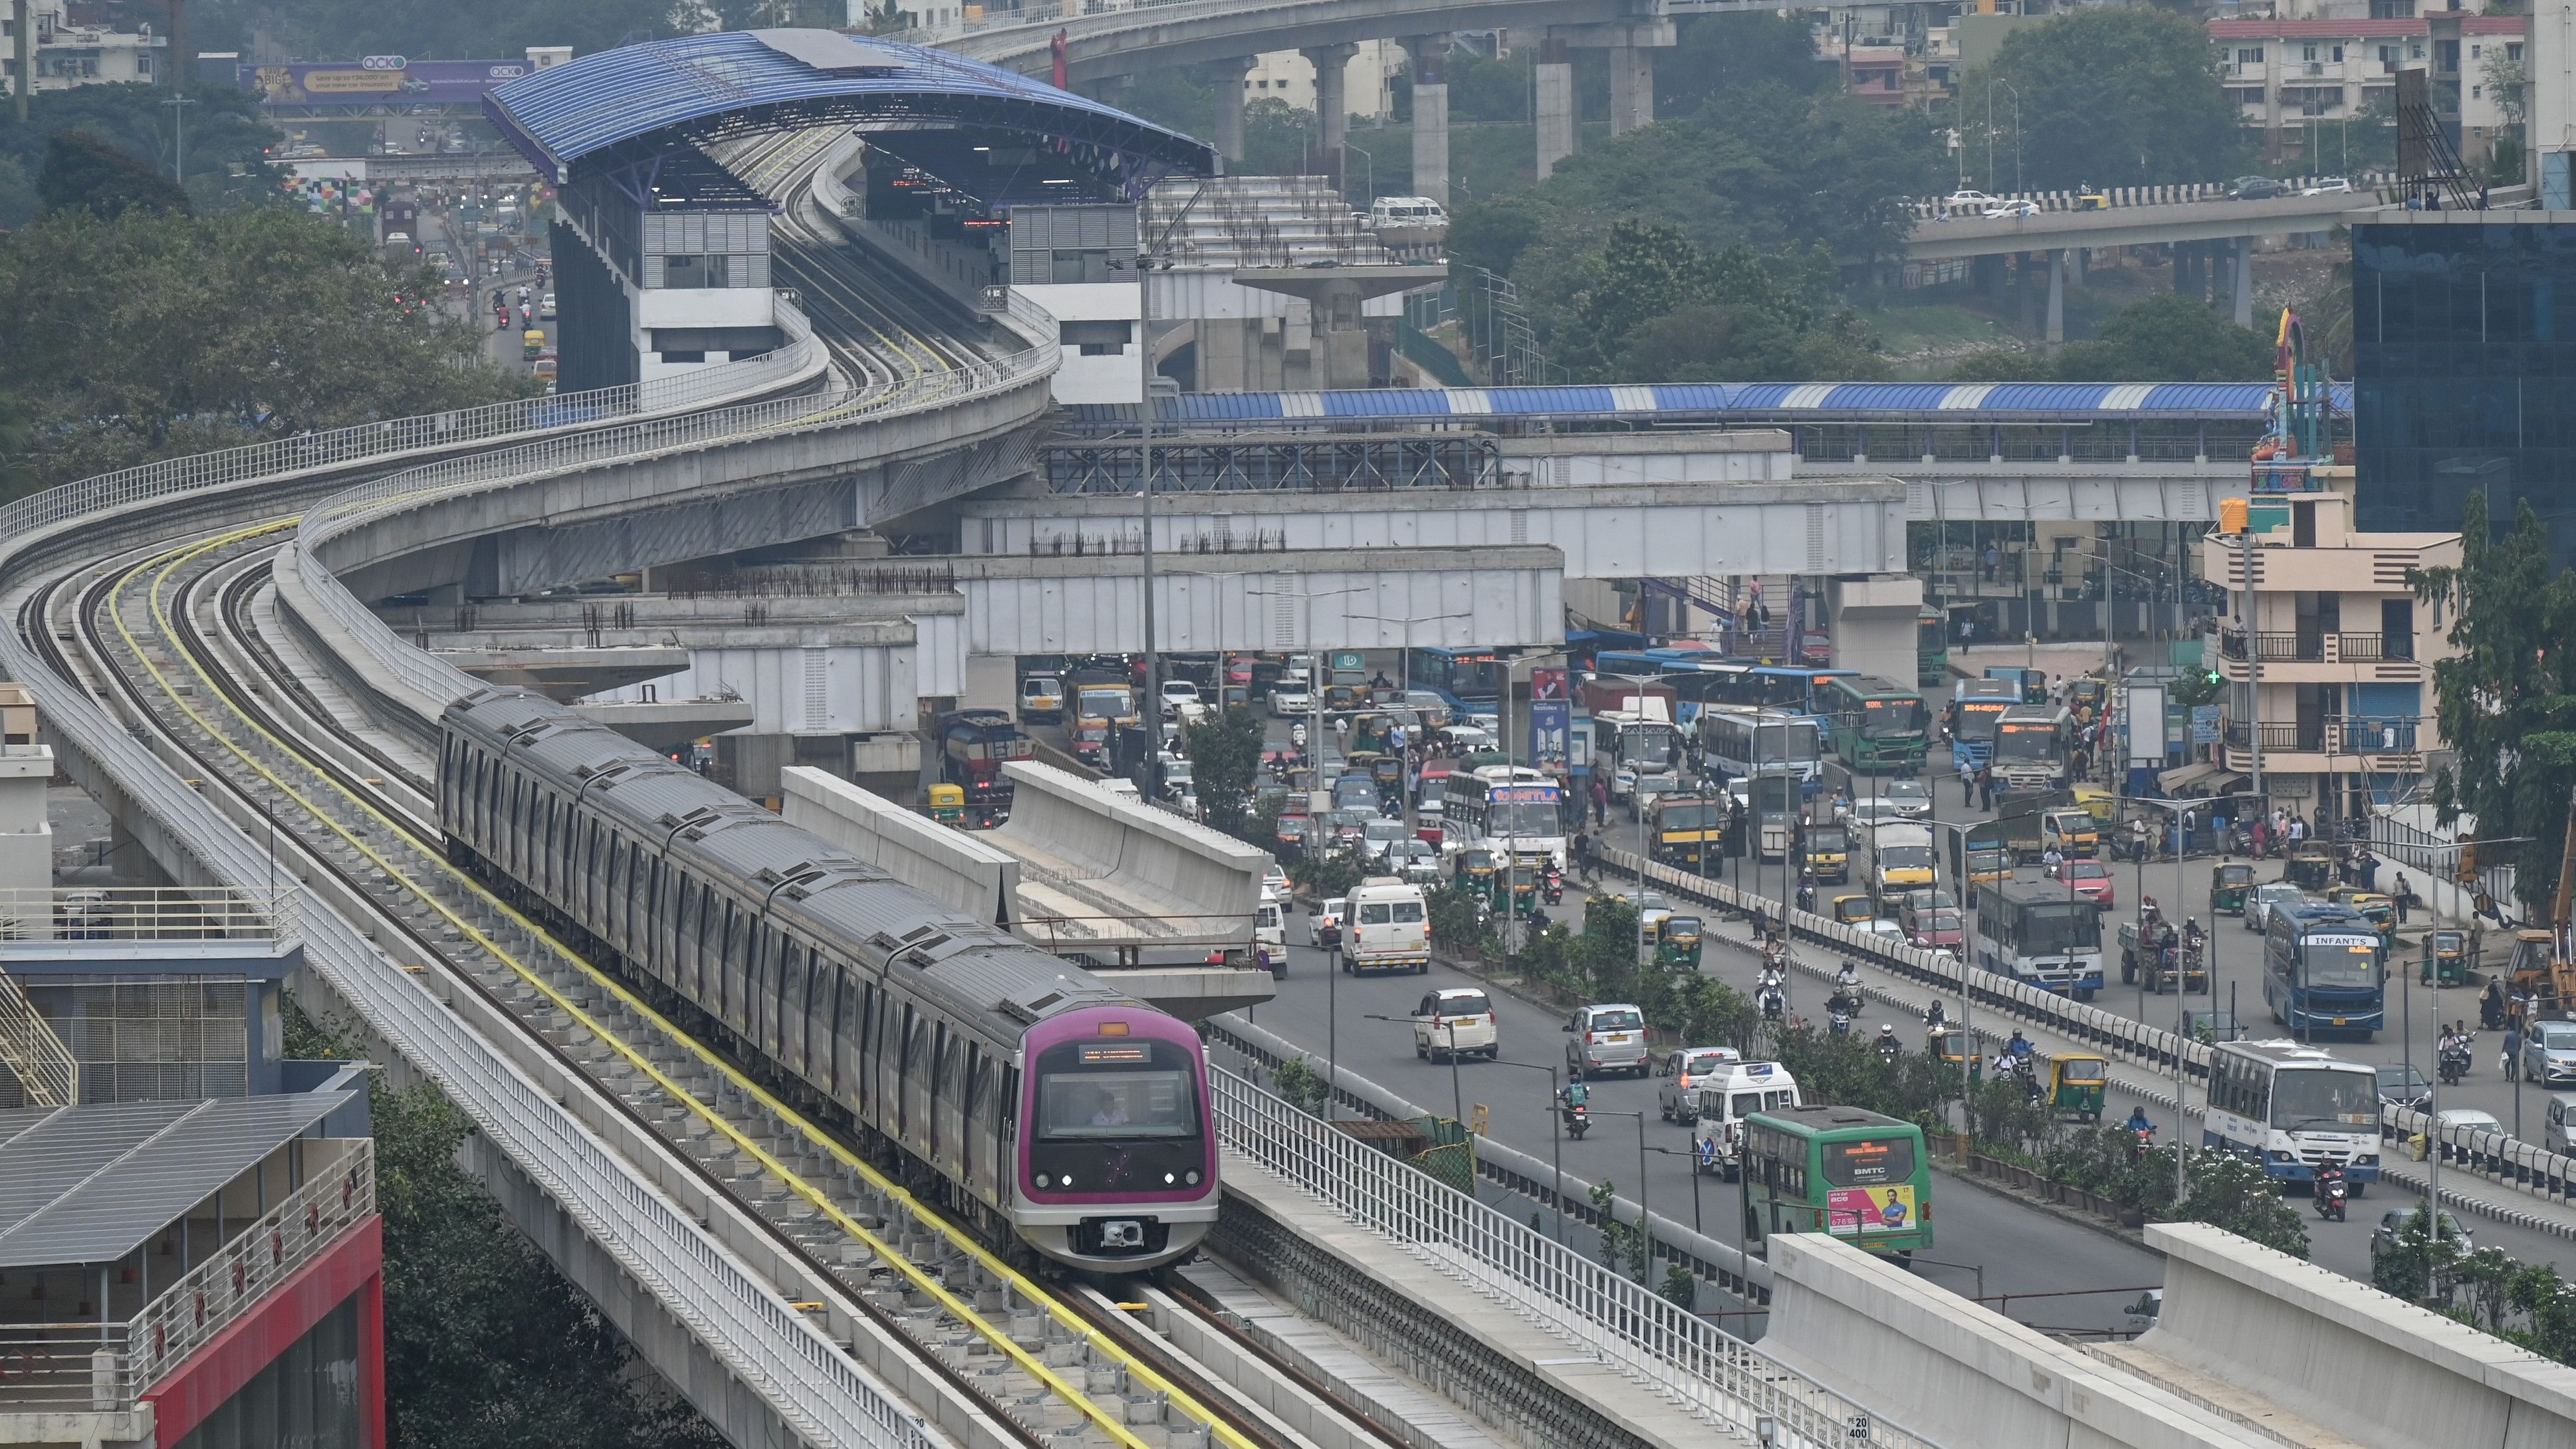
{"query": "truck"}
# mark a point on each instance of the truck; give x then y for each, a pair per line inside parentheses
(1892, 857)
(2145, 963)
(1976, 706)
(2029, 821)
(1978, 856)
(1825, 852)
(974, 745)
(2032, 684)
(1386, 928)
(1773, 804)
(1600, 694)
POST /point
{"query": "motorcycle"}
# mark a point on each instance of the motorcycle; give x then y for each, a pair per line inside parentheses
(1839, 1023)
(2142, 1140)
(1889, 1049)
(2332, 1191)
(1552, 886)
(1773, 1005)
(1578, 1120)
(2454, 1065)
(1297, 735)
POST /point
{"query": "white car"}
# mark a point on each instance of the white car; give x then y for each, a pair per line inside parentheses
(1886, 932)
(1275, 880)
(1378, 837)
(1910, 798)
(1470, 738)
(546, 307)
(1414, 860)
(2330, 186)
(1968, 201)
(1290, 699)
(2006, 210)
(1455, 1022)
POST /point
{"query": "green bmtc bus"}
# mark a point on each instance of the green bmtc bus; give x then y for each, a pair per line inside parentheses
(1857, 1175)
(1879, 726)
(1931, 648)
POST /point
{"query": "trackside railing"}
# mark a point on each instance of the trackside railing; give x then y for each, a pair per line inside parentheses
(818, 1391)
(342, 512)
(1709, 1373)
(106, 1367)
(47, 1073)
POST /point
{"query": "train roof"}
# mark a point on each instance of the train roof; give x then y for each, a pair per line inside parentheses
(977, 969)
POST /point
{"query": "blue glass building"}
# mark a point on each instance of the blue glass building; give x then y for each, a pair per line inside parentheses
(2464, 375)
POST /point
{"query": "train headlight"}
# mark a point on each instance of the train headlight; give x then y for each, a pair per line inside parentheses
(1042, 1179)
(1193, 1178)
(1167, 1179)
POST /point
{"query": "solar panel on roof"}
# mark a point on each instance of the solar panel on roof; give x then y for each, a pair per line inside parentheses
(829, 51)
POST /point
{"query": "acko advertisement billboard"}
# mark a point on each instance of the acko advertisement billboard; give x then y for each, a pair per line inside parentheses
(378, 80)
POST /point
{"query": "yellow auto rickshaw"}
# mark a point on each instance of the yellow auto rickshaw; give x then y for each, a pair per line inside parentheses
(2310, 868)
(2227, 887)
(2446, 958)
(2075, 1085)
(1679, 943)
(532, 343)
(1956, 1050)
(1474, 872)
(948, 805)
(1852, 910)
(2097, 802)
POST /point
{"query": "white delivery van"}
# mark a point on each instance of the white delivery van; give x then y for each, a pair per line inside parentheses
(1726, 1097)
(1270, 932)
(1386, 927)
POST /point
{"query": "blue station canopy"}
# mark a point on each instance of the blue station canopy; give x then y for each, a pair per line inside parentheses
(620, 104)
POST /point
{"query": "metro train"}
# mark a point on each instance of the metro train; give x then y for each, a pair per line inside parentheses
(1052, 1107)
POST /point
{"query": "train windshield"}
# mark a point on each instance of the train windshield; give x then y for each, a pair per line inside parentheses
(1115, 1088)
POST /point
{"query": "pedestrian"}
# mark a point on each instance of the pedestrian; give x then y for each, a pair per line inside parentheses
(2512, 1062)
(1986, 787)
(2491, 1005)
(2190, 823)
(1600, 803)
(1994, 557)
(1967, 782)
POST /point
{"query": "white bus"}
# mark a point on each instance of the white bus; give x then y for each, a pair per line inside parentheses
(1519, 818)
(2291, 1109)
(1748, 742)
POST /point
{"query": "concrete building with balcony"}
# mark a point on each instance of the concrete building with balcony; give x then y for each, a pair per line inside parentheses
(2328, 656)
(80, 43)
(2301, 81)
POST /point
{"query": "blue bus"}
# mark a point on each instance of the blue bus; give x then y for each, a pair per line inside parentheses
(1783, 686)
(1471, 679)
(1697, 676)
(2325, 969)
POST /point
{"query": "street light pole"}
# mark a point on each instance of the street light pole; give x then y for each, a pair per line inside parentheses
(1555, 1115)
(1696, 1226)
(1645, 1220)
(1457, 1094)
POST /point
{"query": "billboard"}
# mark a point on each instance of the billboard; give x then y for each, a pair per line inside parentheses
(1547, 683)
(1549, 747)
(378, 80)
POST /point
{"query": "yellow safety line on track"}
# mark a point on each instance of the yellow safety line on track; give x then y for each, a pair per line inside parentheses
(927, 1284)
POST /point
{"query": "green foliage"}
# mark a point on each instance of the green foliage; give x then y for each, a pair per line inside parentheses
(17, 437)
(2226, 1191)
(1716, 58)
(19, 202)
(1329, 873)
(228, 140)
(1654, 305)
(157, 334)
(2107, 96)
(2507, 697)
(2163, 338)
(1492, 234)
(1679, 1288)
(1301, 1085)
(1278, 139)
(1224, 751)
(1619, 1241)
(495, 29)
(1452, 912)
(84, 173)
(1485, 90)
(487, 1346)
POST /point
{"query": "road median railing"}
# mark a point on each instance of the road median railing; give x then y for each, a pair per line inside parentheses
(1716, 1377)
(2494, 1157)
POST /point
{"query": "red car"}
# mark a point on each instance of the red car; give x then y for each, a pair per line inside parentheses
(1935, 929)
(2090, 879)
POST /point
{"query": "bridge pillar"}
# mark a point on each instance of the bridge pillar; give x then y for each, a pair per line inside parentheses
(1229, 106)
(1430, 115)
(1332, 100)
(1632, 89)
(2057, 296)
(2244, 288)
(1555, 105)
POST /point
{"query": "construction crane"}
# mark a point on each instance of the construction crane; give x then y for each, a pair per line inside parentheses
(2544, 962)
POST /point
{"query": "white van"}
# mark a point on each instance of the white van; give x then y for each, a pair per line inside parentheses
(1270, 932)
(1386, 927)
(1728, 1096)
(1454, 1022)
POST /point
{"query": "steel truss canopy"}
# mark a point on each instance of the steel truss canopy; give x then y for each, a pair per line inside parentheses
(620, 107)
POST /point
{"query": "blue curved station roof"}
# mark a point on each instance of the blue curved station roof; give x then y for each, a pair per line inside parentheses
(738, 81)
(2003, 402)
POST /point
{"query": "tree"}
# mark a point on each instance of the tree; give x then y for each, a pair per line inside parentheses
(1716, 57)
(228, 139)
(2228, 1192)
(456, 29)
(17, 436)
(1225, 757)
(2507, 699)
(2106, 96)
(1657, 306)
(84, 172)
(2167, 338)
(157, 333)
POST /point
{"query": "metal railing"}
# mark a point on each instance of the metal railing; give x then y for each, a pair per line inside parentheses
(107, 1367)
(439, 680)
(47, 1073)
(818, 1391)
(2333, 735)
(141, 913)
(1709, 1373)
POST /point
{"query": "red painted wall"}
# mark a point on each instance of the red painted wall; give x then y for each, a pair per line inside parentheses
(354, 1264)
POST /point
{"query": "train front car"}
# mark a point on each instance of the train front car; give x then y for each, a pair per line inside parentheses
(1117, 1155)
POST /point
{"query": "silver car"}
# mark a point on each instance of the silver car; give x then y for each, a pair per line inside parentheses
(1677, 1095)
(2260, 900)
(2549, 1053)
(1606, 1039)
